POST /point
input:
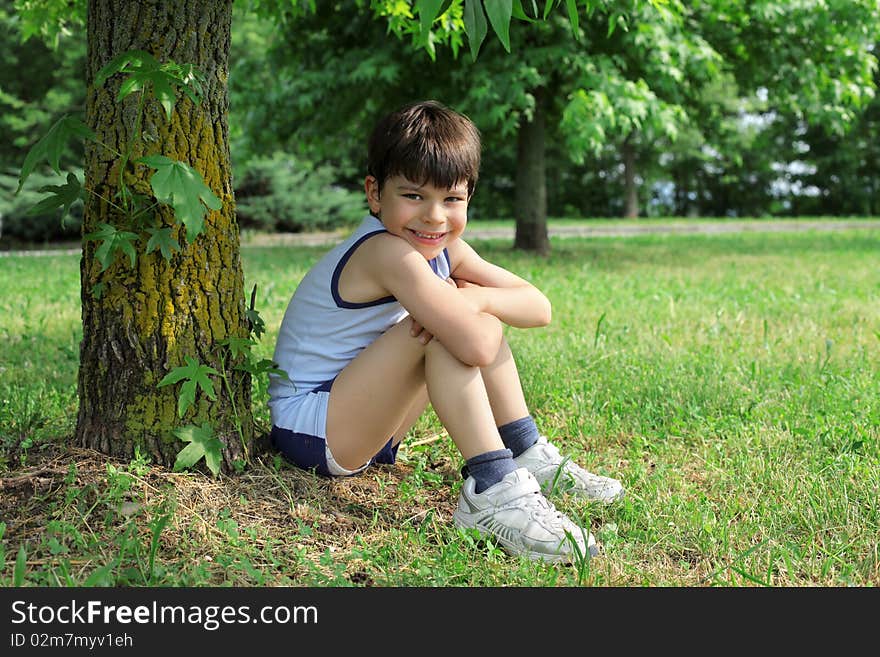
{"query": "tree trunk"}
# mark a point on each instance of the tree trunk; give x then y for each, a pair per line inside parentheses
(631, 192)
(531, 182)
(150, 317)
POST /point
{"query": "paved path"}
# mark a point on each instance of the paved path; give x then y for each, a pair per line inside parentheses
(587, 229)
(604, 229)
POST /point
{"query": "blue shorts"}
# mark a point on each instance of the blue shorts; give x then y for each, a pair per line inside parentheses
(301, 438)
(311, 453)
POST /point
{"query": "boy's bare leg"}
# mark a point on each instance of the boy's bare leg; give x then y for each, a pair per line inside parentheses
(377, 393)
(415, 412)
(504, 388)
(459, 398)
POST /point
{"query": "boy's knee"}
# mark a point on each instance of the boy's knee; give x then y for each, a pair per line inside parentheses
(477, 359)
(435, 350)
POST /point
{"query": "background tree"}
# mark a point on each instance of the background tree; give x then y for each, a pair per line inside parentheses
(38, 85)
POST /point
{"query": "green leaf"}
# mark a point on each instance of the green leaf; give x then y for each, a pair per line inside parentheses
(98, 290)
(548, 7)
(520, 13)
(161, 239)
(164, 91)
(20, 567)
(238, 346)
(112, 240)
(129, 60)
(617, 18)
(182, 186)
(255, 322)
(475, 25)
(573, 17)
(428, 11)
(263, 366)
(62, 196)
(499, 12)
(194, 374)
(52, 145)
(144, 70)
(102, 576)
(191, 80)
(163, 87)
(202, 443)
(129, 86)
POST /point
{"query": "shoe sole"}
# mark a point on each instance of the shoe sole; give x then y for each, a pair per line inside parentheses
(462, 522)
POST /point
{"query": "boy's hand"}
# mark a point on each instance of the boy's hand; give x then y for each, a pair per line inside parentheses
(418, 331)
(461, 283)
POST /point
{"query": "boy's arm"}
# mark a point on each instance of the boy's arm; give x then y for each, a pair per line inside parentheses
(460, 323)
(499, 292)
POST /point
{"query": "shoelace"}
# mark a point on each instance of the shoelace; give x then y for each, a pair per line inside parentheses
(536, 499)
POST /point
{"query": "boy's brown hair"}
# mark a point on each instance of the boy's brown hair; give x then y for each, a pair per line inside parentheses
(426, 142)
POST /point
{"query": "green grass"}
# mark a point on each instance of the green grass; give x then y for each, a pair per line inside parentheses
(731, 381)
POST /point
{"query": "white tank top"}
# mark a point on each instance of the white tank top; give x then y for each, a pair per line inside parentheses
(321, 333)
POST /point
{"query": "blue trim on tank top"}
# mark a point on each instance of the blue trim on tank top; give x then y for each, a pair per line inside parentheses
(334, 281)
(337, 273)
(435, 263)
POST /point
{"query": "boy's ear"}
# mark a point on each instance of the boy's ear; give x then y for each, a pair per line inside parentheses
(371, 188)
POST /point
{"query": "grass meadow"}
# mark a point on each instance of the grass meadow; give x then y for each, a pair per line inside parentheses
(731, 381)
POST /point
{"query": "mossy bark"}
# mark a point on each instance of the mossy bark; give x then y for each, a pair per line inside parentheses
(150, 317)
(531, 181)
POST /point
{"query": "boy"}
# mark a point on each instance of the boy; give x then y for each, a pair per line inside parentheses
(404, 312)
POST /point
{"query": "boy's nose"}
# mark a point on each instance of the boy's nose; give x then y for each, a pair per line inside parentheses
(435, 213)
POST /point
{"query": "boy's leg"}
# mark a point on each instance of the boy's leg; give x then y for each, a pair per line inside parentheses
(515, 424)
(504, 388)
(419, 406)
(376, 395)
(388, 453)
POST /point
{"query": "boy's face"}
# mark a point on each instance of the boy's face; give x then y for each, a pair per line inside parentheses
(427, 217)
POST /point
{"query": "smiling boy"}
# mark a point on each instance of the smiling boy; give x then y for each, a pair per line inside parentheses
(404, 312)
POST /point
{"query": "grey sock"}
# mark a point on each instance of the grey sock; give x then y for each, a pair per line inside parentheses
(489, 468)
(519, 435)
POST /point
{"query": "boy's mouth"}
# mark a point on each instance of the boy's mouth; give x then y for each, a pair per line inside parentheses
(427, 237)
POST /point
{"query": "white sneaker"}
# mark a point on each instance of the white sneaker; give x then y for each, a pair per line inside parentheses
(522, 520)
(558, 473)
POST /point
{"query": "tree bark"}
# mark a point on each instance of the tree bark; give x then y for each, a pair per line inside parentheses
(631, 191)
(531, 182)
(150, 317)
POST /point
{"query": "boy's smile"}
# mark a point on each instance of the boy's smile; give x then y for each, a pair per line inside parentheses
(426, 216)
(430, 239)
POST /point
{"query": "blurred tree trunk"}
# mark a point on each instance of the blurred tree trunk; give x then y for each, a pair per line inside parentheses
(631, 190)
(141, 322)
(531, 181)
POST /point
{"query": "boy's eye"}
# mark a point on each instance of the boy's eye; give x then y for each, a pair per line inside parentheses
(454, 199)
(414, 197)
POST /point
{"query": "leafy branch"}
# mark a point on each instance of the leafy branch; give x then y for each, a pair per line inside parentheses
(173, 182)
